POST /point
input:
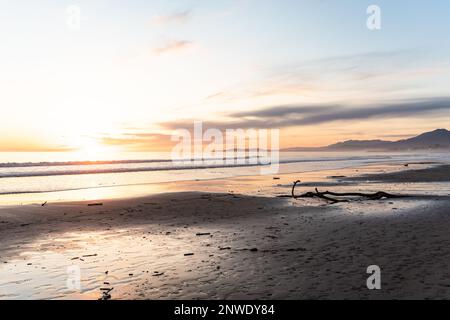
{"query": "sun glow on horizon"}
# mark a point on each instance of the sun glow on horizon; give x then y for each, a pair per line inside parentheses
(91, 148)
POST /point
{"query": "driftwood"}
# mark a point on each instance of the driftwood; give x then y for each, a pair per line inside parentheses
(326, 195)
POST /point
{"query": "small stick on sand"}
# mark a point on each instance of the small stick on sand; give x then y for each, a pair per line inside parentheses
(95, 204)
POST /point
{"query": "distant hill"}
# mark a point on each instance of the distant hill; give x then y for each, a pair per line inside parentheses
(437, 139)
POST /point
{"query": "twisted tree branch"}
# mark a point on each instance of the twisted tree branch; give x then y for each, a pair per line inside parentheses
(326, 195)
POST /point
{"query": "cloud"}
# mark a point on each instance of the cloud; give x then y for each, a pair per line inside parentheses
(365, 76)
(142, 141)
(276, 111)
(398, 136)
(399, 109)
(356, 66)
(296, 115)
(176, 17)
(23, 146)
(173, 46)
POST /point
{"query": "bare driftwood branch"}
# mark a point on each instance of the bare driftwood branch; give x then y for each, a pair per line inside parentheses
(372, 196)
(326, 195)
(323, 196)
(293, 188)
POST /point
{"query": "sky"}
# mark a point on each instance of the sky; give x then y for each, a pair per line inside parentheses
(130, 73)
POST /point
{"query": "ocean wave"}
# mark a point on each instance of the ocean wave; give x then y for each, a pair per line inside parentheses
(67, 167)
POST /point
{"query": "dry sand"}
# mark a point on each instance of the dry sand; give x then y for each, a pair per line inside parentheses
(197, 245)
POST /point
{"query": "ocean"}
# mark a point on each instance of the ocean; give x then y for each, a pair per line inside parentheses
(30, 173)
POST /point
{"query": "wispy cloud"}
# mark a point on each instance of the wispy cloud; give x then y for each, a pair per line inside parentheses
(173, 46)
(397, 136)
(370, 75)
(142, 141)
(176, 17)
(31, 146)
(296, 115)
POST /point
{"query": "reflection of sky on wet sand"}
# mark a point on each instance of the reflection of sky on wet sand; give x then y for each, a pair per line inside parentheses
(105, 259)
(84, 194)
(281, 184)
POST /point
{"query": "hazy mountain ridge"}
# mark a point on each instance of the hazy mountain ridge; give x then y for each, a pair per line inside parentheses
(437, 139)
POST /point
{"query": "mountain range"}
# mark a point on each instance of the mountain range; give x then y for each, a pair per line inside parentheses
(437, 139)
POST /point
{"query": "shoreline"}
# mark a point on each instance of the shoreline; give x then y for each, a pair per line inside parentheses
(130, 191)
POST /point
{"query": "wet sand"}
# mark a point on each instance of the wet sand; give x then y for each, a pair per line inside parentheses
(224, 245)
(438, 173)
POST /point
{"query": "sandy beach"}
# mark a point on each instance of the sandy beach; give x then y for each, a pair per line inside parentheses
(235, 239)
